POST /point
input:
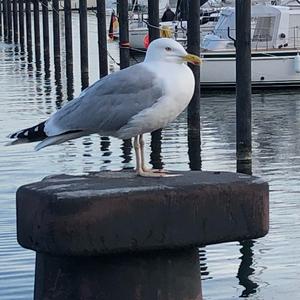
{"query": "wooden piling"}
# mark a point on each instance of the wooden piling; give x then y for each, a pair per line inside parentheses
(1, 12)
(68, 37)
(46, 46)
(243, 82)
(36, 23)
(102, 38)
(9, 22)
(21, 23)
(84, 57)
(153, 19)
(28, 25)
(56, 34)
(154, 33)
(124, 34)
(5, 30)
(193, 47)
(15, 21)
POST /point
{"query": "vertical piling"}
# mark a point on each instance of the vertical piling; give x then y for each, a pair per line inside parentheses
(28, 25)
(56, 34)
(154, 33)
(45, 12)
(37, 38)
(15, 21)
(243, 83)
(1, 12)
(102, 38)
(153, 19)
(9, 21)
(193, 47)
(84, 62)
(5, 30)
(68, 37)
(21, 22)
(124, 34)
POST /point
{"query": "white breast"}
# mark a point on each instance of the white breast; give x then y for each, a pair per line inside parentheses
(179, 84)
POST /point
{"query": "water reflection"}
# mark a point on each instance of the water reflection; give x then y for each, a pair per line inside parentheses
(155, 155)
(194, 149)
(246, 270)
(126, 148)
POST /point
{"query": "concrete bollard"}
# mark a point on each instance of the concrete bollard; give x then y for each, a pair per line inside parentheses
(113, 235)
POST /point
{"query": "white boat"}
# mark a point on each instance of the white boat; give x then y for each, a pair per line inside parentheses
(275, 42)
(210, 11)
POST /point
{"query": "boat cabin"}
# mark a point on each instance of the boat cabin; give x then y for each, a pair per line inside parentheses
(272, 27)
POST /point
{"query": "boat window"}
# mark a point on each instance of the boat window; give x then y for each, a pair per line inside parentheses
(264, 29)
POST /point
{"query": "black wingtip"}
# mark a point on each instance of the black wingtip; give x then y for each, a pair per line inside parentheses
(34, 133)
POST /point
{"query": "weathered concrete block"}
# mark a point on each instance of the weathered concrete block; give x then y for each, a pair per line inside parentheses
(113, 212)
(114, 235)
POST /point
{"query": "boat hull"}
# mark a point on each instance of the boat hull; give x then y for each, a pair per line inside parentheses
(270, 69)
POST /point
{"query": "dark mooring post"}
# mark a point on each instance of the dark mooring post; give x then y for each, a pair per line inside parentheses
(102, 38)
(124, 34)
(68, 38)
(243, 84)
(153, 13)
(21, 23)
(9, 22)
(45, 12)
(28, 25)
(56, 35)
(84, 57)
(5, 29)
(154, 33)
(1, 12)
(36, 22)
(193, 47)
(15, 21)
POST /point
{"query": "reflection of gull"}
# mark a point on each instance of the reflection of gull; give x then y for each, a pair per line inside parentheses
(125, 104)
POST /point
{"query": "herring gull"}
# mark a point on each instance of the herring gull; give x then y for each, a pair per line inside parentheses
(125, 104)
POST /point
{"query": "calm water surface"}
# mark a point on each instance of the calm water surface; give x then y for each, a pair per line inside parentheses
(268, 268)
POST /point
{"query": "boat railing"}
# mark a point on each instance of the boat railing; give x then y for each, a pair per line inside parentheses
(263, 39)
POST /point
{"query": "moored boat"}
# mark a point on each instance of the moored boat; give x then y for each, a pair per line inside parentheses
(275, 42)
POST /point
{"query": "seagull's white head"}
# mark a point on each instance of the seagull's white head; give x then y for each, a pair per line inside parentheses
(168, 50)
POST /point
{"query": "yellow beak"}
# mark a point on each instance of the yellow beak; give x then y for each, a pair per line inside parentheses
(194, 59)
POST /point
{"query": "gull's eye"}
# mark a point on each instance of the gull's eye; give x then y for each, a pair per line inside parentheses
(168, 49)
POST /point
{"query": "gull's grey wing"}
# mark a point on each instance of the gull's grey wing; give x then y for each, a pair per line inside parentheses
(109, 103)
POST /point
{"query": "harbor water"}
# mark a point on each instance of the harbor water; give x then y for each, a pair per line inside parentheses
(263, 269)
